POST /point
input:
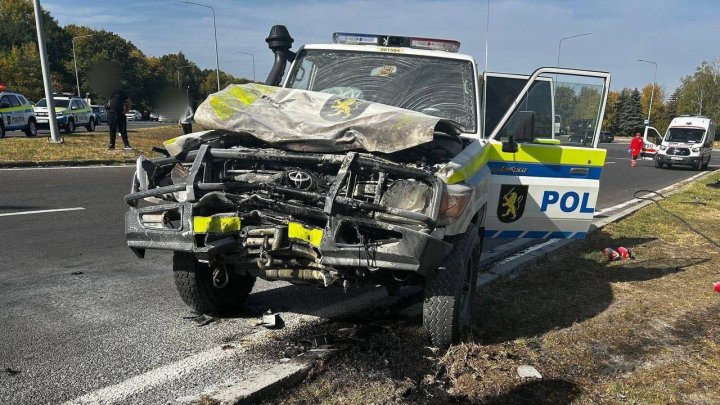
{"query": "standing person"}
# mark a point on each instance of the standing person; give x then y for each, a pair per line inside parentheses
(116, 119)
(186, 120)
(636, 145)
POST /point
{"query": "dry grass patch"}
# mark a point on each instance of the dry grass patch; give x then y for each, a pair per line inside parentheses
(85, 146)
(640, 331)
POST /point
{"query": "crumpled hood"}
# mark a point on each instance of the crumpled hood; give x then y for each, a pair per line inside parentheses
(301, 120)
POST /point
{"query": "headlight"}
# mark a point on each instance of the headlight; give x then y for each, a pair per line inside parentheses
(696, 149)
(663, 147)
(407, 195)
(59, 113)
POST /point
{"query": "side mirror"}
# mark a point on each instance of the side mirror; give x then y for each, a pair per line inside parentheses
(510, 146)
(5, 105)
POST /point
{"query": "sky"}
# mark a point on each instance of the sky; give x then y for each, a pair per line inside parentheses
(523, 34)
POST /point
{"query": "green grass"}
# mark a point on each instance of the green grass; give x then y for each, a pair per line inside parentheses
(640, 331)
(84, 146)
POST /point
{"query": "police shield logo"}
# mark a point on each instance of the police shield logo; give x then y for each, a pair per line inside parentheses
(342, 109)
(511, 204)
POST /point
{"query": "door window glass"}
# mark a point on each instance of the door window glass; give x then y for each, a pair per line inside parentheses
(14, 102)
(5, 100)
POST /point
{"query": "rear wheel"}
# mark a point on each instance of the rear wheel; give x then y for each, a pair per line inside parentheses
(31, 129)
(90, 127)
(2, 131)
(70, 127)
(194, 283)
(449, 292)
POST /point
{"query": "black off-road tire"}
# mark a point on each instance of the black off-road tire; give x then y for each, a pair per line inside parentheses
(31, 130)
(70, 127)
(449, 292)
(193, 281)
(2, 130)
(90, 127)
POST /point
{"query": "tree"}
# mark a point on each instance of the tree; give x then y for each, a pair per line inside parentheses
(565, 101)
(699, 93)
(618, 122)
(611, 111)
(21, 65)
(631, 119)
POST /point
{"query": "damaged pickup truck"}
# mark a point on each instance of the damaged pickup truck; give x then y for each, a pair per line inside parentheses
(368, 165)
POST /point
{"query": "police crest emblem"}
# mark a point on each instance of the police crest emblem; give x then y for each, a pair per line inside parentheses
(511, 203)
(342, 109)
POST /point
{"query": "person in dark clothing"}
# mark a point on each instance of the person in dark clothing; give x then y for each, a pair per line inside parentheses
(116, 118)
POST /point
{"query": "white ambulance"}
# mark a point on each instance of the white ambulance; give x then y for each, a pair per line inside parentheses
(687, 142)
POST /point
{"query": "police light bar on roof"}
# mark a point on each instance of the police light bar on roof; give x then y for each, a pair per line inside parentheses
(432, 44)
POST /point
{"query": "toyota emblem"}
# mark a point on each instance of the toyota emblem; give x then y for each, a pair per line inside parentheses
(300, 179)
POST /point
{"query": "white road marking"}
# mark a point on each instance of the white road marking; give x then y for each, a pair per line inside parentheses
(13, 169)
(11, 214)
(155, 377)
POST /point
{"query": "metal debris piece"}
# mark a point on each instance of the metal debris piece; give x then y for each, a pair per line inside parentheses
(11, 371)
(526, 371)
(271, 321)
(317, 340)
(201, 320)
(76, 273)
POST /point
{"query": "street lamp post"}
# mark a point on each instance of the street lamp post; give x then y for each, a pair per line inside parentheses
(253, 61)
(561, 41)
(77, 78)
(45, 66)
(217, 56)
(652, 93)
(178, 73)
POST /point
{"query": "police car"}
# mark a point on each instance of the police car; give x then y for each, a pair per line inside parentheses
(16, 113)
(372, 203)
(71, 112)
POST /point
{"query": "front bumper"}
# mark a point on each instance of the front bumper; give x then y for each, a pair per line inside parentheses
(678, 160)
(42, 122)
(407, 250)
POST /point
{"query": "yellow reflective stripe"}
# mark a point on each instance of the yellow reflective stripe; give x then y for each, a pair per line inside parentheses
(546, 141)
(216, 224)
(170, 141)
(530, 153)
(13, 109)
(310, 235)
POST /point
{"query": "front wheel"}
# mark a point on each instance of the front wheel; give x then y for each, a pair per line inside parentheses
(194, 283)
(450, 291)
(70, 127)
(90, 127)
(658, 163)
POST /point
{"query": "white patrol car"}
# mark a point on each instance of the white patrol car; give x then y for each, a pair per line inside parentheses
(687, 142)
(71, 112)
(289, 205)
(16, 114)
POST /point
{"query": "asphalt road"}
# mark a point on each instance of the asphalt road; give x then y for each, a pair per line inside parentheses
(81, 312)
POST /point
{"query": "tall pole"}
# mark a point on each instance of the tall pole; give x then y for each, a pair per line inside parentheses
(652, 93)
(47, 83)
(487, 35)
(253, 61)
(561, 41)
(77, 78)
(217, 55)
(178, 73)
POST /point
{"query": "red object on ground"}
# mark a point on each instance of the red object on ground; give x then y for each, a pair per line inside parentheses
(611, 254)
(717, 286)
(625, 253)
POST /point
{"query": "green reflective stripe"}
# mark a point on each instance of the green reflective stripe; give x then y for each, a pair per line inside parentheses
(14, 109)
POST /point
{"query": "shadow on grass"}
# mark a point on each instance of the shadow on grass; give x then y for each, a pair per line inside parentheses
(563, 290)
(551, 391)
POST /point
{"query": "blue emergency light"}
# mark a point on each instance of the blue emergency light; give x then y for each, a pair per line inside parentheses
(431, 44)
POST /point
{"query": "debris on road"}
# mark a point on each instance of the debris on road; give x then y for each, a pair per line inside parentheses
(526, 371)
(12, 371)
(271, 321)
(76, 273)
(201, 319)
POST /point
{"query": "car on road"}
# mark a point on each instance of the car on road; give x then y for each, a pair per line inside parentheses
(133, 115)
(687, 142)
(16, 114)
(100, 113)
(606, 137)
(366, 164)
(154, 116)
(71, 112)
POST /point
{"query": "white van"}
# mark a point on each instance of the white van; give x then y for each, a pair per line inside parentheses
(688, 142)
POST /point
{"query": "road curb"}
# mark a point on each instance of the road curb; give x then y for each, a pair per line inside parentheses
(56, 163)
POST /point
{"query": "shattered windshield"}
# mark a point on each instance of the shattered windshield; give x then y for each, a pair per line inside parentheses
(685, 135)
(442, 88)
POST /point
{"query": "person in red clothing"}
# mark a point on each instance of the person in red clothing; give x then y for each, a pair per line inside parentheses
(636, 145)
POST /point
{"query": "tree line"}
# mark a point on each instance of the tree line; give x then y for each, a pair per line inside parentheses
(105, 61)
